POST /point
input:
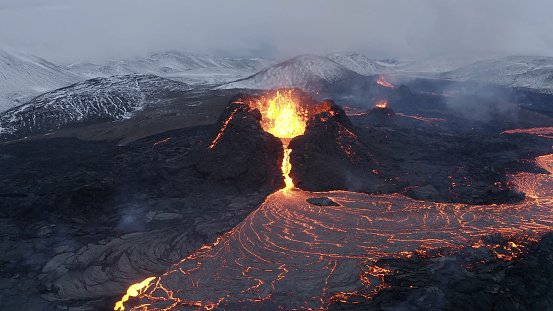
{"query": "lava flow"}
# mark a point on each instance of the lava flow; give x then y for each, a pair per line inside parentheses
(293, 255)
(283, 117)
(382, 104)
(383, 82)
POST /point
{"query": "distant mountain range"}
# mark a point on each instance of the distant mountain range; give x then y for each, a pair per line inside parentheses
(23, 77)
(358, 63)
(310, 73)
(98, 99)
(112, 90)
(194, 69)
(531, 72)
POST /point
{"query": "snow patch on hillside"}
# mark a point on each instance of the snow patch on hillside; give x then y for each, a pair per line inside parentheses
(358, 63)
(194, 69)
(113, 98)
(307, 72)
(23, 77)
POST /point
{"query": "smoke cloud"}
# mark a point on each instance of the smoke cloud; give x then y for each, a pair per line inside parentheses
(65, 30)
(132, 219)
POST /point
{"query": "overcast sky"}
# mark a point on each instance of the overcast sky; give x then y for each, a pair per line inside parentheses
(71, 30)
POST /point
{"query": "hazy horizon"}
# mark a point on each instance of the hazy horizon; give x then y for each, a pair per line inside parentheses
(64, 31)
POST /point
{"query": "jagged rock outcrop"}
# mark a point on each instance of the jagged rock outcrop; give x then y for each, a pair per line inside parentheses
(241, 153)
(329, 156)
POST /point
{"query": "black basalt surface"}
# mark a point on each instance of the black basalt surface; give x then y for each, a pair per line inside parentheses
(329, 156)
(81, 221)
(470, 279)
(422, 163)
(241, 153)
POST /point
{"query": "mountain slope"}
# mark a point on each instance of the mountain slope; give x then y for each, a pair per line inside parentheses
(358, 63)
(310, 73)
(534, 72)
(439, 64)
(99, 99)
(191, 68)
(22, 77)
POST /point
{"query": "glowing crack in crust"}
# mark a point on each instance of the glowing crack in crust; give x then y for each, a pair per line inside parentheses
(294, 255)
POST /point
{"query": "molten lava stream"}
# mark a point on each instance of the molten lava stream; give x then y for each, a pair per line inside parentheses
(308, 254)
(290, 254)
(287, 167)
(283, 117)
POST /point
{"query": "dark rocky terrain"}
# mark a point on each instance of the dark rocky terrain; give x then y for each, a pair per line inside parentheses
(82, 220)
(85, 220)
(422, 163)
(467, 279)
(330, 156)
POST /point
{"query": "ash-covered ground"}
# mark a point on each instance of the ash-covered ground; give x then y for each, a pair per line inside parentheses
(82, 220)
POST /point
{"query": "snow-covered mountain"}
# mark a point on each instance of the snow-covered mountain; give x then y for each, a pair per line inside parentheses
(110, 99)
(23, 77)
(438, 64)
(358, 63)
(310, 73)
(532, 72)
(194, 69)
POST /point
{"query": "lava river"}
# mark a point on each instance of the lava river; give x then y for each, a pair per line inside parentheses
(295, 255)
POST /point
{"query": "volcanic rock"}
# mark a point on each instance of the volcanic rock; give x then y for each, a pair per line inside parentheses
(431, 165)
(426, 193)
(472, 278)
(329, 156)
(323, 201)
(382, 115)
(241, 153)
(85, 220)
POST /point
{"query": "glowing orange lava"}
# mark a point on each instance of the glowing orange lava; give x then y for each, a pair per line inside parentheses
(540, 131)
(315, 254)
(225, 124)
(383, 82)
(162, 141)
(383, 103)
(311, 255)
(428, 121)
(133, 291)
(286, 168)
(283, 117)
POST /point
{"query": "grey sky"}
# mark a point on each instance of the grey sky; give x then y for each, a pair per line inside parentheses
(70, 30)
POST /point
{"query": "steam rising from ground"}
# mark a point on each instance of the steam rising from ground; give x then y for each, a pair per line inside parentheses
(132, 219)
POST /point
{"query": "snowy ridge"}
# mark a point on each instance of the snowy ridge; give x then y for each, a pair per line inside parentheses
(358, 63)
(534, 72)
(191, 68)
(23, 77)
(112, 98)
(440, 64)
(307, 72)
